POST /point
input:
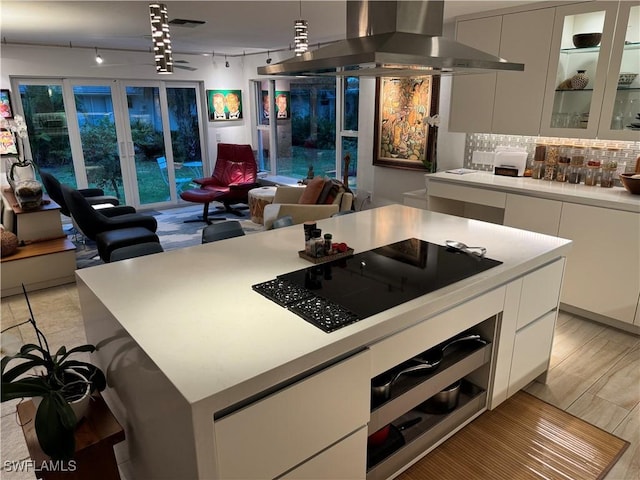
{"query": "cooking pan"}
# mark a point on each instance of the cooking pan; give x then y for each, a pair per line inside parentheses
(432, 358)
(379, 437)
(426, 362)
(381, 385)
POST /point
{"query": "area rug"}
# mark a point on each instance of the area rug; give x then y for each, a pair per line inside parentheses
(523, 438)
(172, 231)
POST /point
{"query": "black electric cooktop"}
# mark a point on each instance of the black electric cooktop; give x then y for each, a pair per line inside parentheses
(340, 292)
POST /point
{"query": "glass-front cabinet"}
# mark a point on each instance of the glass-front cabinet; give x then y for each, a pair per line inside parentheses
(620, 117)
(581, 47)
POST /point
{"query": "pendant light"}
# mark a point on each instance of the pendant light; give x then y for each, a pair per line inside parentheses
(99, 59)
(300, 39)
(161, 38)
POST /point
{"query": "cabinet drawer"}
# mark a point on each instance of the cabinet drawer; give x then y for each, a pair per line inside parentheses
(531, 352)
(273, 435)
(479, 196)
(540, 293)
(346, 460)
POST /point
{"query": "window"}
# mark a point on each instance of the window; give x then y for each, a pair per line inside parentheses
(318, 129)
(141, 141)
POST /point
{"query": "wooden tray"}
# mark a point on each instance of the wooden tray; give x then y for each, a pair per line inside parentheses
(326, 258)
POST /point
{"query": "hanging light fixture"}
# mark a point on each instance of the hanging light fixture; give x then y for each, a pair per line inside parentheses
(300, 39)
(99, 59)
(226, 62)
(161, 38)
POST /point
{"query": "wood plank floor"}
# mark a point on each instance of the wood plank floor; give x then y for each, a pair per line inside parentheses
(525, 439)
(595, 373)
(595, 376)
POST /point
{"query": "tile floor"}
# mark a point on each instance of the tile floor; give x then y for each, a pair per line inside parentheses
(594, 375)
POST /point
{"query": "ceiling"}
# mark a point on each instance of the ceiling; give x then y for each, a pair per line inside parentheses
(232, 27)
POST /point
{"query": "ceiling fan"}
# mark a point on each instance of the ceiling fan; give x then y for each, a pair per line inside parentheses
(180, 64)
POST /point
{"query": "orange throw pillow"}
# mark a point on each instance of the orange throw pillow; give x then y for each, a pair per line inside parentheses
(312, 192)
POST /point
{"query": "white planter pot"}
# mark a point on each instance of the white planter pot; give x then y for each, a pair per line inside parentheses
(80, 407)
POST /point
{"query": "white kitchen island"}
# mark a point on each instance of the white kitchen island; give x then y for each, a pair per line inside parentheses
(212, 380)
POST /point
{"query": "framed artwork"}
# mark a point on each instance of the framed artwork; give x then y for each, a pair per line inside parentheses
(7, 143)
(266, 107)
(402, 137)
(5, 104)
(224, 105)
(283, 101)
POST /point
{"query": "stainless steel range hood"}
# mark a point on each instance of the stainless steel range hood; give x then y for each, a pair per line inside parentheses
(392, 38)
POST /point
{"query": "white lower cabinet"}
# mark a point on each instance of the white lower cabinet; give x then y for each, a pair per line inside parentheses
(602, 267)
(531, 351)
(275, 434)
(601, 281)
(539, 215)
(346, 460)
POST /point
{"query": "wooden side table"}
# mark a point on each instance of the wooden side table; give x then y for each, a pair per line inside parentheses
(96, 435)
(258, 199)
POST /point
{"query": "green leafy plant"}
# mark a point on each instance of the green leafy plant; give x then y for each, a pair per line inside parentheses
(57, 379)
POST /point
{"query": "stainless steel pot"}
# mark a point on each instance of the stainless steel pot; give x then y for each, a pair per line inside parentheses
(444, 401)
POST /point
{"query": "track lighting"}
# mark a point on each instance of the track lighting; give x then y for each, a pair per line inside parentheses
(99, 59)
(268, 58)
(226, 62)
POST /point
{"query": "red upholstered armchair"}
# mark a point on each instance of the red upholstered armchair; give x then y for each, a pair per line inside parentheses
(234, 175)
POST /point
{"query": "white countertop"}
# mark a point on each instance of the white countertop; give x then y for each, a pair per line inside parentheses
(617, 197)
(193, 309)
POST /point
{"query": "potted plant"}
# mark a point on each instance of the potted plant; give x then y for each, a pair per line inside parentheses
(57, 383)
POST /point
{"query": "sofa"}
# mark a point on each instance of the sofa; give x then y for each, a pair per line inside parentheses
(320, 198)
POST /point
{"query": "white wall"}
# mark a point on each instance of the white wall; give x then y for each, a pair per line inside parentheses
(386, 184)
(56, 63)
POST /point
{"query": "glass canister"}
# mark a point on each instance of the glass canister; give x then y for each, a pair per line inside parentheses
(562, 175)
(592, 172)
(576, 165)
(537, 169)
(608, 173)
(537, 172)
(551, 162)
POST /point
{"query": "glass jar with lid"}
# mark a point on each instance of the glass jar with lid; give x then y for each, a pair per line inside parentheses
(562, 175)
(576, 164)
(537, 170)
(608, 174)
(592, 172)
(551, 162)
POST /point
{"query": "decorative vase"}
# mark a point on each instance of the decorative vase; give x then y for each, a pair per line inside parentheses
(431, 159)
(579, 80)
(19, 170)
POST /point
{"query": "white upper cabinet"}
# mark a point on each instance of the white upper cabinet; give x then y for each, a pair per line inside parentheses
(518, 108)
(473, 95)
(542, 100)
(504, 102)
(577, 74)
(621, 105)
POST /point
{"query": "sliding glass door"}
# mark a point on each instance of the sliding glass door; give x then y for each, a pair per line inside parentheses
(141, 141)
(99, 161)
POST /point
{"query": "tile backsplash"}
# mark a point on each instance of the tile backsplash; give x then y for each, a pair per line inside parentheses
(487, 142)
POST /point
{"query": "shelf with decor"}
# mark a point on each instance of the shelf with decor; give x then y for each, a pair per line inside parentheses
(45, 257)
